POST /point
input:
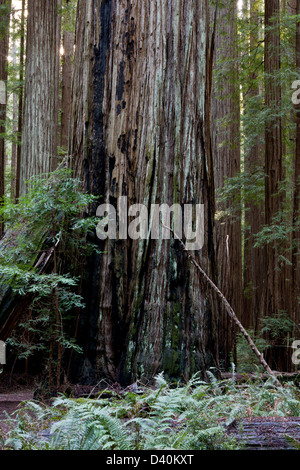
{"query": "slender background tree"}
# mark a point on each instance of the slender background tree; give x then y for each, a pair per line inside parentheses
(5, 7)
(40, 118)
(227, 162)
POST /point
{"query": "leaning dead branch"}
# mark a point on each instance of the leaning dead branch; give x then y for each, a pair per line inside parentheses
(228, 308)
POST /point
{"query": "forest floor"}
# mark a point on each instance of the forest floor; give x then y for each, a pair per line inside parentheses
(13, 392)
(260, 433)
(9, 403)
(16, 390)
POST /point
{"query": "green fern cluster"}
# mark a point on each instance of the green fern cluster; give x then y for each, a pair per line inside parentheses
(167, 417)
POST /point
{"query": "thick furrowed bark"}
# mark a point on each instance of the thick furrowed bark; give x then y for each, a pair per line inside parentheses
(67, 68)
(139, 128)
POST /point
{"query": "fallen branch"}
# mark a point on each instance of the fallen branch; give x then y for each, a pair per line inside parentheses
(228, 308)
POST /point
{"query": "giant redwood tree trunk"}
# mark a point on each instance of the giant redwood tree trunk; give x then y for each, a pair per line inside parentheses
(227, 162)
(39, 137)
(140, 128)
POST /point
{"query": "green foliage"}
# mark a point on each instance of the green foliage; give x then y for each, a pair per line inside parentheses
(68, 13)
(4, 18)
(294, 442)
(182, 417)
(248, 186)
(240, 191)
(48, 217)
(247, 361)
(52, 206)
(279, 328)
(280, 229)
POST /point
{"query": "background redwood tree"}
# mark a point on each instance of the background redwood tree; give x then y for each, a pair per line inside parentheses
(40, 117)
(5, 6)
(227, 164)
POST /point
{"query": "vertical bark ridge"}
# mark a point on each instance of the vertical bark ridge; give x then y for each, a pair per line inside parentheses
(67, 69)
